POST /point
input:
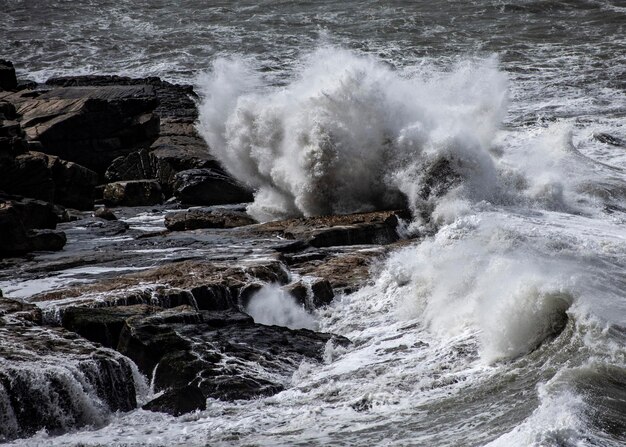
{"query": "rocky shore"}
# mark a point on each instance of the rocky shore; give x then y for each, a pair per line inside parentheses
(129, 264)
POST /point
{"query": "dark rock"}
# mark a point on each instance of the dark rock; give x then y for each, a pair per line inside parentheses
(7, 111)
(102, 325)
(207, 286)
(52, 379)
(178, 401)
(209, 187)
(375, 228)
(74, 184)
(32, 213)
(134, 166)
(8, 81)
(18, 223)
(193, 219)
(91, 125)
(47, 240)
(104, 213)
(224, 355)
(311, 294)
(29, 176)
(609, 139)
(133, 193)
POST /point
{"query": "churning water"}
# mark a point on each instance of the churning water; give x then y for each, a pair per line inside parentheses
(506, 324)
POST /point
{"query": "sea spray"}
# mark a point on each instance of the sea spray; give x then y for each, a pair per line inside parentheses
(349, 133)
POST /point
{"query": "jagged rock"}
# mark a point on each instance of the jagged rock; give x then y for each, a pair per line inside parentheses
(195, 218)
(134, 166)
(90, 126)
(209, 286)
(209, 187)
(73, 184)
(52, 379)
(133, 193)
(211, 354)
(48, 178)
(311, 294)
(8, 81)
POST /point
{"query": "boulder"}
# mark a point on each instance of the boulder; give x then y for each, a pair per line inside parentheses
(74, 184)
(104, 213)
(209, 187)
(19, 227)
(28, 175)
(133, 193)
(91, 126)
(47, 240)
(196, 218)
(8, 81)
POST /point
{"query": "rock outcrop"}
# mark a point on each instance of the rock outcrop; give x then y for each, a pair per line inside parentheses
(51, 378)
(195, 218)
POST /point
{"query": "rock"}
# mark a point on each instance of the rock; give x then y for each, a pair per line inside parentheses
(345, 272)
(8, 81)
(19, 221)
(178, 401)
(48, 178)
(29, 176)
(209, 187)
(7, 111)
(25, 312)
(102, 325)
(133, 193)
(32, 213)
(74, 184)
(205, 285)
(47, 240)
(134, 166)
(195, 218)
(311, 294)
(51, 379)
(375, 228)
(104, 213)
(223, 355)
(609, 139)
(90, 126)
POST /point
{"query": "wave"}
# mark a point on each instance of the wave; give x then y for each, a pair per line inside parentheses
(352, 134)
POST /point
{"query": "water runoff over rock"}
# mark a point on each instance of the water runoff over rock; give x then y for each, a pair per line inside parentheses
(505, 322)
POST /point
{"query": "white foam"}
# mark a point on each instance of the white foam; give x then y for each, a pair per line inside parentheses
(349, 133)
(273, 306)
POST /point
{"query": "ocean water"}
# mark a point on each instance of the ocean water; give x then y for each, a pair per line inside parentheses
(504, 324)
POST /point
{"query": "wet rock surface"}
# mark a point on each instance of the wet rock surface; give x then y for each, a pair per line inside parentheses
(140, 287)
(51, 378)
(196, 218)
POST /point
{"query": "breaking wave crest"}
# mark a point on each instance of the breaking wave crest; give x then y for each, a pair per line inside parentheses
(352, 134)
